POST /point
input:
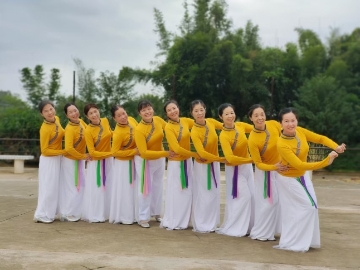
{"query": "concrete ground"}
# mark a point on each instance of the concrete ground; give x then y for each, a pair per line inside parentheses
(63, 245)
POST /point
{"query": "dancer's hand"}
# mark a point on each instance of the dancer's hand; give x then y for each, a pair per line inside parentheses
(341, 148)
(88, 157)
(281, 167)
(332, 156)
(171, 154)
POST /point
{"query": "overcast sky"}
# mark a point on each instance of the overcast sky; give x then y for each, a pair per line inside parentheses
(109, 34)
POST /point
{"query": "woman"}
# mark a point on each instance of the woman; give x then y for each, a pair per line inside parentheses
(179, 183)
(300, 219)
(122, 209)
(151, 164)
(98, 177)
(51, 135)
(262, 146)
(206, 198)
(238, 219)
(73, 166)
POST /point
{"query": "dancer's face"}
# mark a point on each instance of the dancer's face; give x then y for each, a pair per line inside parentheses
(48, 112)
(73, 113)
(172, 112)
(258, 117)
(147, 113)
(121, 116)
(289, 123)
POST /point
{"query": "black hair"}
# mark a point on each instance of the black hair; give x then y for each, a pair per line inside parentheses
(288, 110)
(114, 108)
(169, 102)
(88, 107)
(43, 103)
(223, 106)
(67, 105)
(196, 102)
(253, 108)
(143, 104)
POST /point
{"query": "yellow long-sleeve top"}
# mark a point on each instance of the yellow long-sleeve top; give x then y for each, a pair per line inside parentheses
(148, 138)
(98, 139)
(178, 137)
(75, 144)
(205, 140)
(263, 146)
(51, 135)
(294, 151)
(234, 144)
(123, 144)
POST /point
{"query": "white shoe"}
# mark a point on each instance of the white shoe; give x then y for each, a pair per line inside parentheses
(261, 239)
(158, 218)
(43, 220)
(144, 225)
(69, 218)
(127, 223)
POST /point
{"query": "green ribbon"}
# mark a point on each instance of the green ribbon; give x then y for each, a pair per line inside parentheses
(130, 171)
(142, 176)
(182, 175)
(98, 174)
(265, 185)
(208, 177)
(76, 172)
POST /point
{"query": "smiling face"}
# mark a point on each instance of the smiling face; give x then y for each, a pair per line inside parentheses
(147, 113)
(228, 116)
(172, 112)
(289, 123)
(121, 116)
(94, 116)
(73, 114)
(258, 117)
(48, 112)
(198, 112)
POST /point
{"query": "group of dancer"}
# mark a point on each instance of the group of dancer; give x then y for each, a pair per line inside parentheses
(124, 176)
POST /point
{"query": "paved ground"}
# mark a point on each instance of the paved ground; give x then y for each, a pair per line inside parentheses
(63, 245)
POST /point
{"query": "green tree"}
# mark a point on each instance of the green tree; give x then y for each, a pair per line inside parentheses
(35, 86)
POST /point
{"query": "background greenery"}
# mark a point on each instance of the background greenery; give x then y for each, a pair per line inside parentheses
(209, 59)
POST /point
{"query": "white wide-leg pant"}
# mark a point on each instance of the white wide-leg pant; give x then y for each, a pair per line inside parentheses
(178, 201)
(300, 218)
(150, 204)
(238, 210)
(49, 181)
(206, 203)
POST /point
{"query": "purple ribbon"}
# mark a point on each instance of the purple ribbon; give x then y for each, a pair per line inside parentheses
(213, 172)
(103, 172)
(234, 183)
(186, 173)
(268, 184)
(302, 180)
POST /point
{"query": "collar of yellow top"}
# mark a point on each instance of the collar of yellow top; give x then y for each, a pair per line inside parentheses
(259, 130)
(74, 124)
(198, 125)
(287, 137)
(93, 125)
(145, 123)
(123, 126)
(228, 129)
(49, 123)
(173, 122)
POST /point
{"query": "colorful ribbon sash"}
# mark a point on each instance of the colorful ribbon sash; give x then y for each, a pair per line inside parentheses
(234, 192)
(210, 169)
(100, 174)
(183, 174)
(79, 174)
(302, 182)
(131, 172)
(145, 178)
(267, 186)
